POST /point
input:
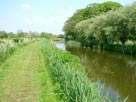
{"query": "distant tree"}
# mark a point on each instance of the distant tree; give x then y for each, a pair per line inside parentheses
(31, 34)
(60, 36)
(130, 13)
(11, 35)
(90, 11)
(3, 34)
(43, 35)
(46, 35)
(20, 33)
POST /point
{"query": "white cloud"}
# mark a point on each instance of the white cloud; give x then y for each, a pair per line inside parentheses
(26, 6)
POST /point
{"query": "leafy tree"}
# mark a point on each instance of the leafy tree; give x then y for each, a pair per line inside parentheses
(46, 35)
(31, 34)
(20, 33)
(130, 13)
(90, 11)
(60, 36)
(113, 27)
(11, 35)
(3, 34)
(107, 28)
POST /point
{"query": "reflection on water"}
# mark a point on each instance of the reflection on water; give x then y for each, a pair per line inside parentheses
(60, 45)
(116, 71)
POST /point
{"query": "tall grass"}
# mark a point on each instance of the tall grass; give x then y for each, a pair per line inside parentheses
(6, 54)
(69, 76)
(125, 49)
(7, 49)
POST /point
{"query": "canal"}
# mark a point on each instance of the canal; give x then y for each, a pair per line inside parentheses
(116, 73)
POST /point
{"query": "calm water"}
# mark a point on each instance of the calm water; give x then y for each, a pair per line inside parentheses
(116, 72)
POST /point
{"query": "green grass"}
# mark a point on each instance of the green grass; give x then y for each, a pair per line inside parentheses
(5, 55)
(69, 76)
(39, 72)
(9, 51)
(47, 89)
(24, 78)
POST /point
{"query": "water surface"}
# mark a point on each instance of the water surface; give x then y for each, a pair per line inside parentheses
(117, 72)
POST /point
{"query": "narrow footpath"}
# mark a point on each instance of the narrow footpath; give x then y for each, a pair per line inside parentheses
(21, 78)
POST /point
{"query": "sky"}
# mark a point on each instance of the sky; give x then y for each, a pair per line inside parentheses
(41, 15)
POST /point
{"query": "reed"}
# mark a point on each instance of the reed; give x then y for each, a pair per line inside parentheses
(71, 82)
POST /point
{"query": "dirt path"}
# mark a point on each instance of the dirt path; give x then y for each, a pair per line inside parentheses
(21, 77)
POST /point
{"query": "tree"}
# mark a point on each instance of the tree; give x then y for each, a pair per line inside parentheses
(90, 11)
(31, 34)
(107, 28)
(46, 35)
(130, 13)
(11, 35)
(60, 36)
(3, 34)
(20, 33)
(114, 27)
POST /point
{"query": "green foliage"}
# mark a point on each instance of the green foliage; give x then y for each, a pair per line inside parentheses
(69, 76)
(3, 34)
(46, 35)
(7, 50)
(20, 33)
(130, 13)
(60, 36)
(11, 35)
(126, 49)
(109, 28)
(16, 40)
(4, 55)
(90, 11)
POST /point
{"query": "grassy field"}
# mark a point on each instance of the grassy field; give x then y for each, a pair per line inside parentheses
(22, 75)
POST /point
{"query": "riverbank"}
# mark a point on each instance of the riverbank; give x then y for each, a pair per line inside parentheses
(110, 29)
(69, 76)
(40, 72)
(110, 69)
(127, 49)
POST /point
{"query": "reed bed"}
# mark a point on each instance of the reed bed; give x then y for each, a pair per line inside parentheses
(69, 78)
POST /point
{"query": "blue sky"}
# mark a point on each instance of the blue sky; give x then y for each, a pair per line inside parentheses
(41, 15)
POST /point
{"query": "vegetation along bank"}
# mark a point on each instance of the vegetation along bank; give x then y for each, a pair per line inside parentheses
(69, 78)
(107, 25)
(8, 46)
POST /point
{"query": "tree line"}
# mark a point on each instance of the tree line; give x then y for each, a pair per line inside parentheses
(19, 34)
(104, 24)
(30, 34)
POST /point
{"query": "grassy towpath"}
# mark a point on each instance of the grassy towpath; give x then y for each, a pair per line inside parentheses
(21, 78)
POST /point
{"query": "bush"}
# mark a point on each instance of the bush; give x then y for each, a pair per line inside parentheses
(16, 40)
(125, 49)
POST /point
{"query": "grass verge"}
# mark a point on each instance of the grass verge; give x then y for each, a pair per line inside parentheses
(9, 51)
(47, 89)
(69, 77)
